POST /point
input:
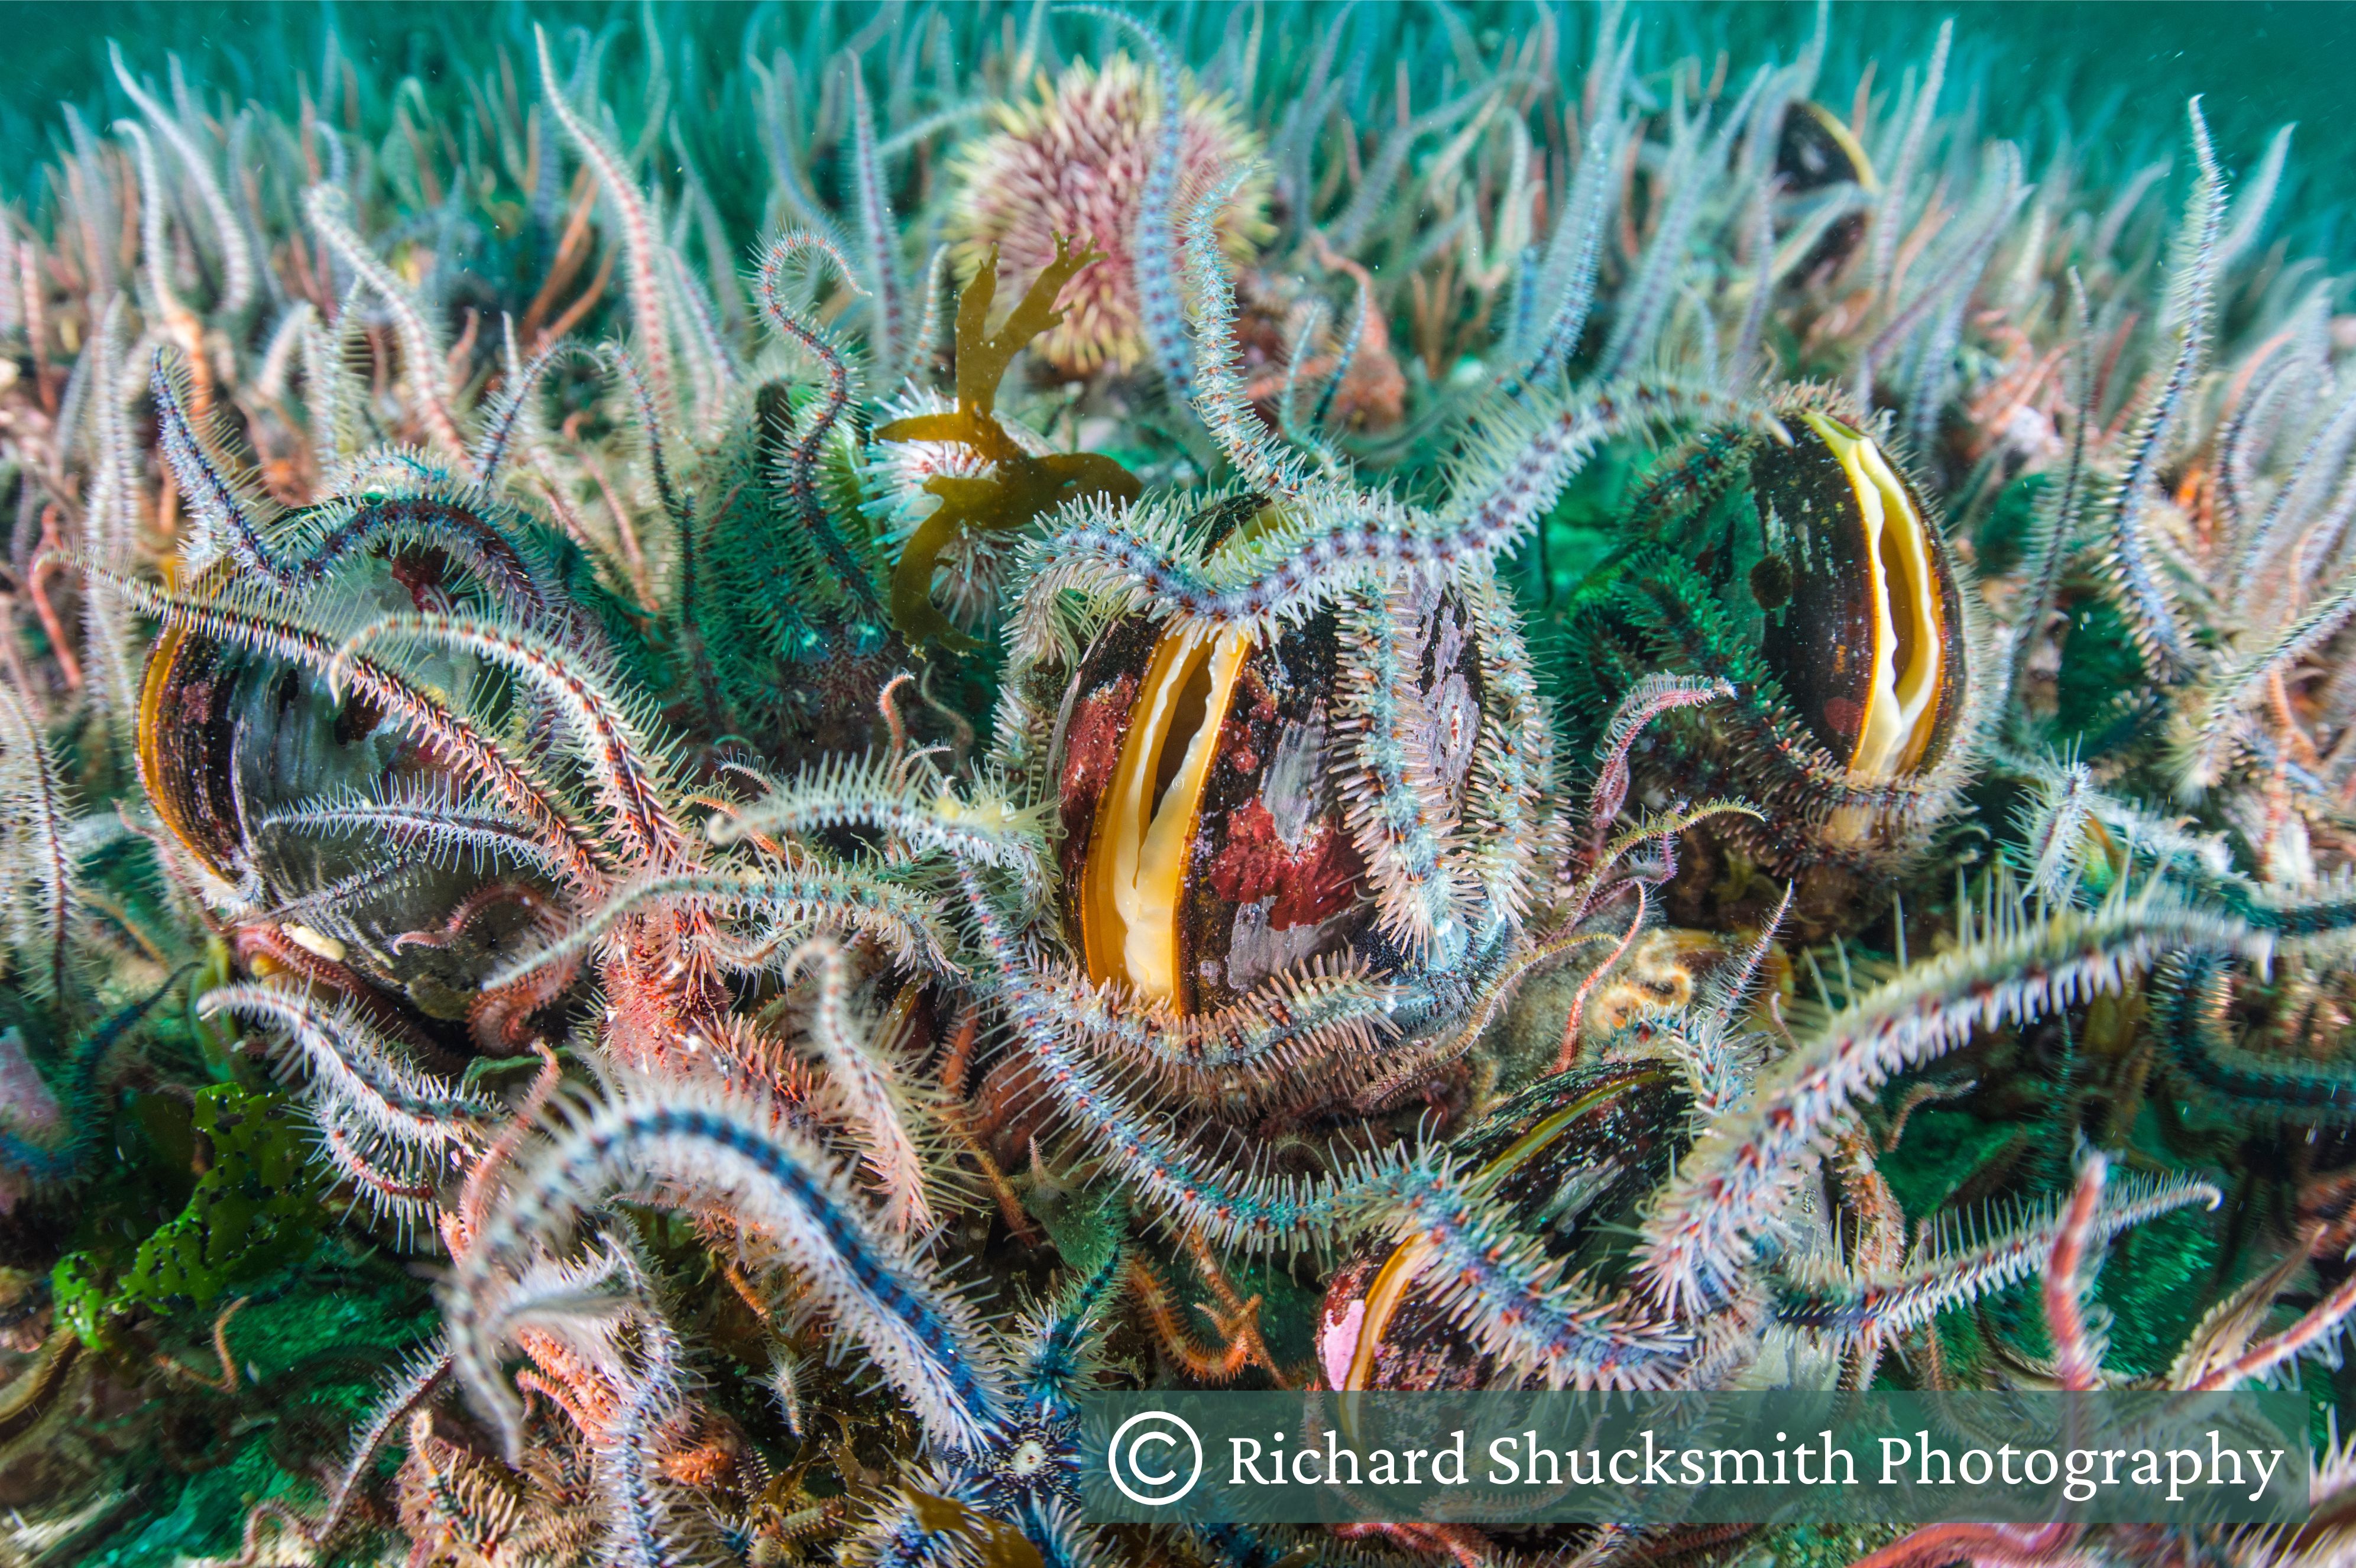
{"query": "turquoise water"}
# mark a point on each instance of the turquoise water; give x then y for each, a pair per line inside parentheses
(2122, 70)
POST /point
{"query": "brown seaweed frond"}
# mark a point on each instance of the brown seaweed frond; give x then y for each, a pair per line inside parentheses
(1020, 487)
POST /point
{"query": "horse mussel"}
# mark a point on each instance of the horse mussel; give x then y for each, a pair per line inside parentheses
(304, 805)
(1813, 576)
(1239, 809)
(1568, 1160)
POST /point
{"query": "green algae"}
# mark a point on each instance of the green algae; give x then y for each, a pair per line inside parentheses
(256, 1208)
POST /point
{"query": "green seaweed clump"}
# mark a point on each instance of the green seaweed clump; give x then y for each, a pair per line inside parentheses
(255, 1209)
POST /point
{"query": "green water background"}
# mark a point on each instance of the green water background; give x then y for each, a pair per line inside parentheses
(2119, 71)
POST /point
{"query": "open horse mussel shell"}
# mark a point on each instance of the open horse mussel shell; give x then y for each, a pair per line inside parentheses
(1231, 805)
(250, 763)
(1815, 579)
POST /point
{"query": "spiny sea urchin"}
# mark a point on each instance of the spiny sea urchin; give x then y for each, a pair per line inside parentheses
(1074, 160)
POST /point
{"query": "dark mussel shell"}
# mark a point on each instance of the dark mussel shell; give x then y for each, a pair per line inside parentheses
(1205, 847)
(228, 738)
(1816, 150)
(1813, 578)
(187, 744)
(1814, 153)
(1572, 1158)
(1864, 622)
